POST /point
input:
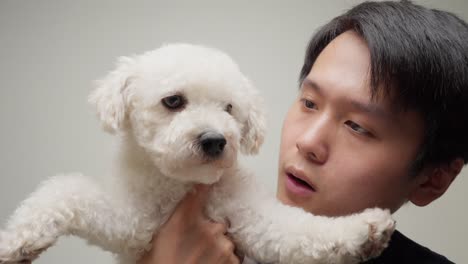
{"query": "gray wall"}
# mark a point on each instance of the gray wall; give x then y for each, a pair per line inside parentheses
(50, 52)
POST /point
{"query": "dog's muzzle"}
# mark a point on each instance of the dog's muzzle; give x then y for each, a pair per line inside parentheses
(212, 144)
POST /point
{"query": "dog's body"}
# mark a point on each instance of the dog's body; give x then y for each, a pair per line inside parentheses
(183, 113)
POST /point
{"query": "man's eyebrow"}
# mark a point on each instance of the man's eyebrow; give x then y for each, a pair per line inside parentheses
(371, 108)
(368, 108)
(307, 83)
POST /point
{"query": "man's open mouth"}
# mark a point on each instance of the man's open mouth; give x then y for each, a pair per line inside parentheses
(300, 183)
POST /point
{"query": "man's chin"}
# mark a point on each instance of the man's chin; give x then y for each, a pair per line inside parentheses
(284, 198)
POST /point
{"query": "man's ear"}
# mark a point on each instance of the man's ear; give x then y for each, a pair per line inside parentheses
(434, 181)
(108, 97)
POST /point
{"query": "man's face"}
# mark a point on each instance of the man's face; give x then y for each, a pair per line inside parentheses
(352, 151)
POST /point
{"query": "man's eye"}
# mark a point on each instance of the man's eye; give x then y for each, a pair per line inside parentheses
(173, 102)
(357, 128)
(308, 103)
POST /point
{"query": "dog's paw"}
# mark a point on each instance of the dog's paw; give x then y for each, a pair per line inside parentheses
(377, 227)
(21, 247)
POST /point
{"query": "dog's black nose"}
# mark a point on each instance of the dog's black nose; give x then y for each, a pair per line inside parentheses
(212, 143)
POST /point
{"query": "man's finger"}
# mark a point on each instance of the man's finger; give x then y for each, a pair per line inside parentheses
(195, 200)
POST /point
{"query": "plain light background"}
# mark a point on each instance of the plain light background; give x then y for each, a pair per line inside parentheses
(51, 51)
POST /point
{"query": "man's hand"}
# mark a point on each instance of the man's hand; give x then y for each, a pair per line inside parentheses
(190, 237)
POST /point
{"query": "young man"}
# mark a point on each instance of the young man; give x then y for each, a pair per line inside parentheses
(380, 120)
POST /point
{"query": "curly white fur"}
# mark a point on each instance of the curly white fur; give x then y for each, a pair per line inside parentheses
(160, 159)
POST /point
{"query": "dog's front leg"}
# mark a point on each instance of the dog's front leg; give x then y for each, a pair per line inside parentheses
(62, 205)
(271, 232)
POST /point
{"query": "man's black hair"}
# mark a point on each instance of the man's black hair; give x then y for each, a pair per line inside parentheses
(419, 58)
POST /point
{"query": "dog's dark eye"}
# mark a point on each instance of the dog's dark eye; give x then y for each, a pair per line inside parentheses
(229, 108)
(173, 102)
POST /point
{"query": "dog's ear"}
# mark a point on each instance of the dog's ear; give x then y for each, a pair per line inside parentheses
(109, 96)
(254, 128)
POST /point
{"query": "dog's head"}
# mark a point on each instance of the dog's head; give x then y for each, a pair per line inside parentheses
(189, 107)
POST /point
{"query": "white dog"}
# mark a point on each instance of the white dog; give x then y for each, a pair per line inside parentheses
(183, 112)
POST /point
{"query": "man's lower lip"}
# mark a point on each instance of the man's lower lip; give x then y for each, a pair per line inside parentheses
(296, 188)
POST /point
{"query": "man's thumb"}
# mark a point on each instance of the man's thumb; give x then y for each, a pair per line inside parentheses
(197, 197)
(201, 193)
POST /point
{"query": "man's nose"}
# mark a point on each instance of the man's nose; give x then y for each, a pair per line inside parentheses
(313, 144)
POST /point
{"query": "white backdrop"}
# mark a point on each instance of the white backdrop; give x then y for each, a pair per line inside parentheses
(51, 51)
